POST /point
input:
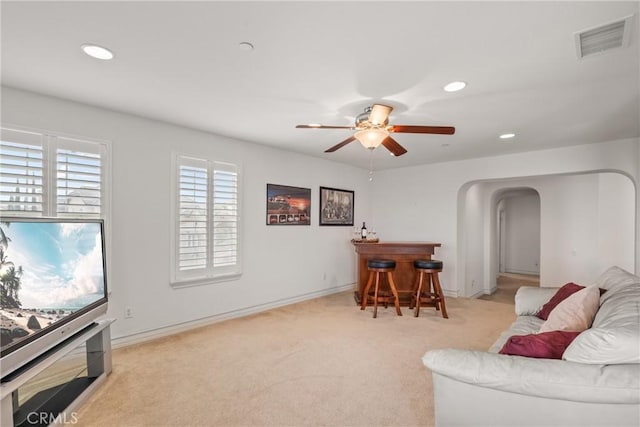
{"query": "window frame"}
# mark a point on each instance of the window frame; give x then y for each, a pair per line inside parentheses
(52, 141)
(209, 274)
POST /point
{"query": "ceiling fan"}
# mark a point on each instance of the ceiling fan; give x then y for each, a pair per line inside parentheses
(373, 128)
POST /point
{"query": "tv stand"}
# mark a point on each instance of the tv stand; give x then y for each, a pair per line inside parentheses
(57, 404)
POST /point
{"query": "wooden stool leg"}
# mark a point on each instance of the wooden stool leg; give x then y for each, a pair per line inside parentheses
(432, 291)
(365, 293)
(416, 313)
(413, 296)
(394, 291)
(440, 295)
(375, 297)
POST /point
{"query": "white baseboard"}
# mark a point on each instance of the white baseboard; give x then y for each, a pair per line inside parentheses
(450, 293)
(181, 327)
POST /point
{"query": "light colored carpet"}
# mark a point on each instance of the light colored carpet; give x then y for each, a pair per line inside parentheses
(508, 284)
(321, 362)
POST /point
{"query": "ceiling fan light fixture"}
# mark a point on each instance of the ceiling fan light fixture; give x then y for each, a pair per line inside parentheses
(371, 138)
(372, 129)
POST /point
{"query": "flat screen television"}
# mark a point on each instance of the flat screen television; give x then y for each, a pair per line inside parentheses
(53, 284)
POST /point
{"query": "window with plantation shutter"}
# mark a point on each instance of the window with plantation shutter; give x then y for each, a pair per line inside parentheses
(206, 231)
(51, 175)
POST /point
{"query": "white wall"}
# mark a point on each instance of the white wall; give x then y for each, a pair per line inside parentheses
(570, 218)
(438, 193)
(615, 219)
(281, 263)
(474, 242)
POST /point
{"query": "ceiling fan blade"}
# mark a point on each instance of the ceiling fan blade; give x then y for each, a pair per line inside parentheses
(393, 146)
(323, 127)
(379, 114)
(340, 145)
(441, 130)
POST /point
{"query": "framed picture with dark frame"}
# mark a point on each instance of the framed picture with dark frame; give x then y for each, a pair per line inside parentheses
(336, 206)
(288, 205)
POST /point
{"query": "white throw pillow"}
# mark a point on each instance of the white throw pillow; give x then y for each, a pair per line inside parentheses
(575, 313)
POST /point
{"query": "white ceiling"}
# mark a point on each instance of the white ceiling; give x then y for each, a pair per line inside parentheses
(323, 62)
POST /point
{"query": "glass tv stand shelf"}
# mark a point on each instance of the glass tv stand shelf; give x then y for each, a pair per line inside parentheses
(49, 390)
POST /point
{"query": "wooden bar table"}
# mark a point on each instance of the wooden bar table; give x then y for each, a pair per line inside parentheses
(403, 253)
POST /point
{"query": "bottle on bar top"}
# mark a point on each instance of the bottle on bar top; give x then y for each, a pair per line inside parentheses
(363, 232)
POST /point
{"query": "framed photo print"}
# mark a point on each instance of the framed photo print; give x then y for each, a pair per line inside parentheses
(288, 205)
(336, 206)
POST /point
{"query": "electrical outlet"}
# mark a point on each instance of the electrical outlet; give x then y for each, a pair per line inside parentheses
(128, 313)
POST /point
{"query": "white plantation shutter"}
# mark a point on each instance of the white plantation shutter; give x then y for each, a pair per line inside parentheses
(225, 215)
(22, 170)
(78, 178)
(46, 175)
(207, 223)
(193, 209)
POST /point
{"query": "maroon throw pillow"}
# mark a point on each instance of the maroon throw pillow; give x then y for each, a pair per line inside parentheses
(562, 294)
(546, 345)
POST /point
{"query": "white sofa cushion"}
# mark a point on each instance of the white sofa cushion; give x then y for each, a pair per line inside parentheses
(549, 378)
(530, 299)
(615, 334)
(616, 276)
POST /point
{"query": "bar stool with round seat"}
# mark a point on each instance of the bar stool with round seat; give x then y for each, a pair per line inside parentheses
(429, 293)
(377, 267)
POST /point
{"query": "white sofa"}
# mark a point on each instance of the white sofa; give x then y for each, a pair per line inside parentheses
(597, 382)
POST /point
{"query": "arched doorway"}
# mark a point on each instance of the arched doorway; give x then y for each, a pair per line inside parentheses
(587, 224)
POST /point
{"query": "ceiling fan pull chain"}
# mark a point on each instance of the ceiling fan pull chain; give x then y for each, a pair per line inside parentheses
(370, 164)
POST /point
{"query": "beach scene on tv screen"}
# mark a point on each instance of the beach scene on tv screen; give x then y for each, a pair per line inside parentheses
(48, 271)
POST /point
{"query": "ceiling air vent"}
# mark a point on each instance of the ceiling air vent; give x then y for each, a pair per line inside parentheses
(603, 38)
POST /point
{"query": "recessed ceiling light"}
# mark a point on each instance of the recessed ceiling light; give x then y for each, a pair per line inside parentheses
(97, 52)
(314, 125)
(246, 46)
(455, 86)
(507, 135)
